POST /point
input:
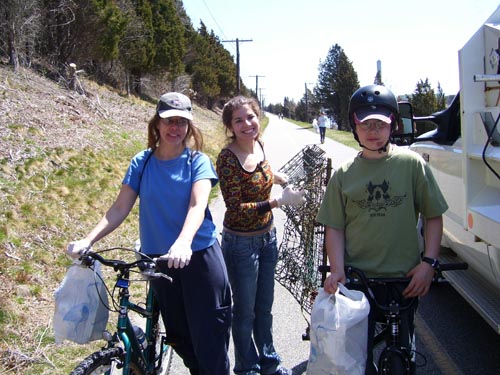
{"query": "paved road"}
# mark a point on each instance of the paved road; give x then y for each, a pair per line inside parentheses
(282, 141)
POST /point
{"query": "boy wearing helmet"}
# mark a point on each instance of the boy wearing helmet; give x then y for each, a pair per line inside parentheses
(371, 207)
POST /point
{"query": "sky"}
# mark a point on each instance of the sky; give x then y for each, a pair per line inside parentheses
(287, 40)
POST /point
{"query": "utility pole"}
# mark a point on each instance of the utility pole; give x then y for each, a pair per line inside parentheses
(237, 41)
(257, 86)
(261, 102)
(307, 103)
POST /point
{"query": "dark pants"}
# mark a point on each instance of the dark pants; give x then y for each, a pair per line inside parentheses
(384, 294)
(196, 309)
(322, 131)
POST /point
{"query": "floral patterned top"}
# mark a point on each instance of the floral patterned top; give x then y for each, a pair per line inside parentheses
(246, 194)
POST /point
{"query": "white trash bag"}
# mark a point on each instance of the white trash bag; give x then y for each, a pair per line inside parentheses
(80, 315)
(339, 329)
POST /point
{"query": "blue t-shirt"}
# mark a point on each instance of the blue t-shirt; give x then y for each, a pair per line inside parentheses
(165, 192)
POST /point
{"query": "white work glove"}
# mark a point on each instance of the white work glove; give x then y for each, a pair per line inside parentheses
(179, 254)
(77, 248)
(280, 178)
(290, 197)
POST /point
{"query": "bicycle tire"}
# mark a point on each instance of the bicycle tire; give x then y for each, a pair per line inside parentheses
(393, 362)
(163, 349)
(166, 361)
(104, 362)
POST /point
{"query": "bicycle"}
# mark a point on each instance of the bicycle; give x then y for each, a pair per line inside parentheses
(126, 351)
(395, 358)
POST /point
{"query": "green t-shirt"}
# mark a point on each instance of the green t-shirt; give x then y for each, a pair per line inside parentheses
(377, 203)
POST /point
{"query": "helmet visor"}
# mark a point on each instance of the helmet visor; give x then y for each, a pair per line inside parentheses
(373, 112)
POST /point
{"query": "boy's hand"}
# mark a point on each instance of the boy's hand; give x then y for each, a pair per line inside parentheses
(421, 279)
(330, 285)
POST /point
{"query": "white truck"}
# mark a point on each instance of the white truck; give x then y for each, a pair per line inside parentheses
(464, 153)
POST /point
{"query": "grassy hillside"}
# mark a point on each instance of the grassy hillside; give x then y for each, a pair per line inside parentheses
(62, 158)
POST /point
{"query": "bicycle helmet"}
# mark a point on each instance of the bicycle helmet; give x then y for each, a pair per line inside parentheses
(373, 102)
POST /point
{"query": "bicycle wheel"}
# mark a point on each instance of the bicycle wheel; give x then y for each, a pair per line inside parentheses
(163, 351)
(394, 362)
(105, 362)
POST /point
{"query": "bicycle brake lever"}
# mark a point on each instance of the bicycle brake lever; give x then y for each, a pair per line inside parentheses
(154, 275)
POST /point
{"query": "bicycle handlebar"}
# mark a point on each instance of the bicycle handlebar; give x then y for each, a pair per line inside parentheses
(349, 271)
(453, 266)
(441, 267)
(148, 267)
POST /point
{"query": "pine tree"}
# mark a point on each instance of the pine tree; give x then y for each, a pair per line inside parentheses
(169, 42)
(108, 29)
(337, 81)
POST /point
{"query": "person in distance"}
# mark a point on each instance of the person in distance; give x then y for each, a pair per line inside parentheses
(323, 123)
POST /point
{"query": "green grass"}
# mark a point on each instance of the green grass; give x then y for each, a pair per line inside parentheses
(46, 202)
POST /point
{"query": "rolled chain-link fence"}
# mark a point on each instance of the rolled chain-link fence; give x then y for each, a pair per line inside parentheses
(301, 249)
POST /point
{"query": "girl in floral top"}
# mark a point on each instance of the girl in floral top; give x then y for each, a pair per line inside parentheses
(249, 238)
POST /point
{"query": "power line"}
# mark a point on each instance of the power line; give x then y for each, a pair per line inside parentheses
(213, 18)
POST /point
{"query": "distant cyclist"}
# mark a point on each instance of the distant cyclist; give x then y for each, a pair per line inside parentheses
(371, 206)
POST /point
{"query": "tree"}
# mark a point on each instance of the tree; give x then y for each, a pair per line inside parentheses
(337, 81)
(137, 47)
(289, 108)
(305, 107)
(441, 98)
(20, 25)
(212, 68)
(116, 40)
(109, 28)
(170, 46)
(425, 101)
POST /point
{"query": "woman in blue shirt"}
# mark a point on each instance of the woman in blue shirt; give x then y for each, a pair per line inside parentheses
(173, 182)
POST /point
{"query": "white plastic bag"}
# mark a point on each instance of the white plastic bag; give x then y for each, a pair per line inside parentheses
(339, 329)
(79, 314)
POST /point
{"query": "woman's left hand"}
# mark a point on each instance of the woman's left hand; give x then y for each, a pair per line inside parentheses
(179, 254)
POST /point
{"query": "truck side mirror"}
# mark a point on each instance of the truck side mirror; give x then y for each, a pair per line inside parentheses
(405, 131)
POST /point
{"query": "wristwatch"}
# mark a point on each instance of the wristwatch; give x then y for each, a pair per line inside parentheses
(432, 261)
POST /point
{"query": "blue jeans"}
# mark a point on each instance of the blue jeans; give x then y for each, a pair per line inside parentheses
(322, 132)
(251, 263)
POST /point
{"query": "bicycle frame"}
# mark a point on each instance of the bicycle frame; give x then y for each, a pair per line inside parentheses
(125, 328)
(392, 313)
(391, 336)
